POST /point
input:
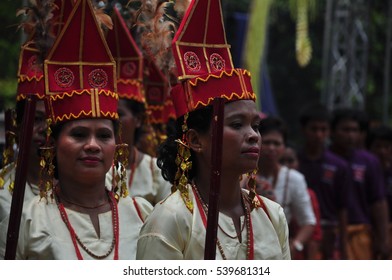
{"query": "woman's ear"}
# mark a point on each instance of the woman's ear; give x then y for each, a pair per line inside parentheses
(193, 140)
(139, 120)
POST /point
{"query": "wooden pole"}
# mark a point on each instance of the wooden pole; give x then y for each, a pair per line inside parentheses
(20, 178)
(216, 166)
(8, 126)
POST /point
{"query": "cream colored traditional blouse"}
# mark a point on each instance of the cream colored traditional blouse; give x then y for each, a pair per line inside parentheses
(44, 235)
(173, 232)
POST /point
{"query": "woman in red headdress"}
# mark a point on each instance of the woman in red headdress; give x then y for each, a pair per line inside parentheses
(144, 177)
(79, 216)
(249, 226)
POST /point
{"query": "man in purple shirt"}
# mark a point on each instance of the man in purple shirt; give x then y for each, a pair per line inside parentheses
(368, 209)
(379, 142)
(329, 177)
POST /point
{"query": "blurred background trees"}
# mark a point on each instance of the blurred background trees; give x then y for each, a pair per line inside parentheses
(9, 50)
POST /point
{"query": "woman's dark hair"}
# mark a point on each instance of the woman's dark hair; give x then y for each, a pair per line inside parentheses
(19, 109)
(56, 129)
(273, 124)
(138, 109)
(199, 120)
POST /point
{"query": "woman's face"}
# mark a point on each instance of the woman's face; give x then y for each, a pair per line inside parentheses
(129, 123)
(241, 137)
(85, 148)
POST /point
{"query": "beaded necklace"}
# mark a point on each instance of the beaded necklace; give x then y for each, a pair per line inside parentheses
(203, 210)
(83, 206)
(236, 236)
(75, 238)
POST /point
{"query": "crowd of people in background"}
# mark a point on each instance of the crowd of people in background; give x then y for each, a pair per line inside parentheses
(346, 163)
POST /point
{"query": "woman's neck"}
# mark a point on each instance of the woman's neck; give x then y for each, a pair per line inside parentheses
(87, 194)
(229, 191)
(33, 170)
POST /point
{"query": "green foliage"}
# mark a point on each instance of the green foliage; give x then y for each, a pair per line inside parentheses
(8, 92)
(9, 51)
(376, 65)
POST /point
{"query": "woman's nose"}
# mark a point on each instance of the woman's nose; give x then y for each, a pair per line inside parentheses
(92, 144)
(254, 136)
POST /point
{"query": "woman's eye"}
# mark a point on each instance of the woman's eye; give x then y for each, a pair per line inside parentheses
(39, 119)
(77, 134)
(105, 136)
(255, 127)
(236, 125)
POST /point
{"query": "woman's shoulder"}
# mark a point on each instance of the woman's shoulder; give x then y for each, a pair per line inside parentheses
(138, 205)
(39, 209)
(148, 163)
(272, 206)
(172, 207)
(265, 204)
(7, 174)
(173, 201)
(273, 210)
(294, 175)
(168, 216)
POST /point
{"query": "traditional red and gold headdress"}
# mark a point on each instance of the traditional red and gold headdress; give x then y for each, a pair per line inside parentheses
(64, 9)
(157, 88)
(42, 26)
(129, 60)
(204, 64)
(80, 72)
(30, 73)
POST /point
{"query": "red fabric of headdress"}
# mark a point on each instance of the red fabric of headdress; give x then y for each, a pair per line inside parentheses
(129, 60)
(61, 14)
(30, 73)
(80, 70)
(30, 69)
(203, 59)
(156, 87)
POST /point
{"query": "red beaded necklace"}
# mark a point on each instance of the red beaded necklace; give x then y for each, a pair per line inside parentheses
(203, 210)
(75, 238)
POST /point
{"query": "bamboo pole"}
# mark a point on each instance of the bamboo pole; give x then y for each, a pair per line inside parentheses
(20, 179)
(216, 165)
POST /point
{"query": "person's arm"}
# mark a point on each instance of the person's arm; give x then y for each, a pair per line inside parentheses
(380, 218)
(162, 237)
(378, 209)
(304, 214)
(303, 235)
(160, 185)
(342, 228)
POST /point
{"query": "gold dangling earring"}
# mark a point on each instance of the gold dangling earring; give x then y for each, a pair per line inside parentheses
(120, 164)
(46, 164)
(252, 188)
(184, 164)
(8, 152)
